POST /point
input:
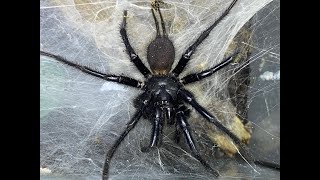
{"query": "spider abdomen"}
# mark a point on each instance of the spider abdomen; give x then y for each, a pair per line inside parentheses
(161, 55)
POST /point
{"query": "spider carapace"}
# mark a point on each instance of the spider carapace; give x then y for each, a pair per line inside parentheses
(163, 96)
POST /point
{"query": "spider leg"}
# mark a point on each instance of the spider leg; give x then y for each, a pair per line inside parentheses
(130, 126)
(177, 134)
(182, 121)
(198, 76)
(188, 53)
(268, 164)
(156, 130)
(109, 77)
(243, 150)
(132, 54)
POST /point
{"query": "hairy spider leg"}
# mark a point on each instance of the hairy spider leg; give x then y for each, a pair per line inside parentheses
(109, 77)
(188, 98)
(206, 73)
(156, 130)
(182, 121)
(243, 150)
(130, 126)
(268, 164)
(188, 53)
(132, 54)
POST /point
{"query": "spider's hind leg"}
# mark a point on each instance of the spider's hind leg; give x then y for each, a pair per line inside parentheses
(191, 49)
(132, 54)
(207, 73)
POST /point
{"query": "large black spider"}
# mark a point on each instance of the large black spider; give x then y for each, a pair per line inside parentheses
(164, 96)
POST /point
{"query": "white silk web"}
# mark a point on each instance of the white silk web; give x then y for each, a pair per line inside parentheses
(81, 116)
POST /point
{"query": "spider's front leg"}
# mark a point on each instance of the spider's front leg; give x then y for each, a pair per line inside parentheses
(133, 122)
(184, 126)
(110, 153)
(177, 134)
(132, 54)
(243, 150)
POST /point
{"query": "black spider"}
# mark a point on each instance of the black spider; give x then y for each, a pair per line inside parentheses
(164, 96)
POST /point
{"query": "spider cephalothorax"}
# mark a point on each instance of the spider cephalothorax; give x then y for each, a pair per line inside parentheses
(163, 99)
(162, 91)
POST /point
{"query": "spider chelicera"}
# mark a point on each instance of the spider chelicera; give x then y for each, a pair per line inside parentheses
(164, 96)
